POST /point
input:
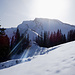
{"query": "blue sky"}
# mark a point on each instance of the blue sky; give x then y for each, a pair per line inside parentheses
(14, 12)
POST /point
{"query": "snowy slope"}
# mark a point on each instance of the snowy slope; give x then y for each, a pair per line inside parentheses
(58, 60)
(10, 32)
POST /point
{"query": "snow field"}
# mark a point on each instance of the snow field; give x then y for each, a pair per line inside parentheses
(60, 61)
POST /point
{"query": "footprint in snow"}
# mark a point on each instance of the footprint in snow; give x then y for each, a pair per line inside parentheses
(57, 71)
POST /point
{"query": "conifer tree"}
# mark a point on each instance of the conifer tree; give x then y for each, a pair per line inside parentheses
(45, 39)
(64, 39)
(51, 39)
(17, 36)
(4, 46)
(41, 40)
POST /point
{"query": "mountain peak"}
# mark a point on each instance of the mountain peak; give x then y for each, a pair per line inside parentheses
(43, 24)
(46, 19)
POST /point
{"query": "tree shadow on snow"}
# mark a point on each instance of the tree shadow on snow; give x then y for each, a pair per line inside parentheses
(49, 50)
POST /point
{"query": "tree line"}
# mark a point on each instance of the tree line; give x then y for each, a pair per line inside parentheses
(55, 38)
(16, 39)
(6, 45)
(46, 39)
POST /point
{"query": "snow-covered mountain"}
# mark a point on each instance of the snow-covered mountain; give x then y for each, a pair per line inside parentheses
(58, 60)
(36, 60)
(39, 25)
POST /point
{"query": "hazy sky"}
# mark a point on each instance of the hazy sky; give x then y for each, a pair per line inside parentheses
(14, 12)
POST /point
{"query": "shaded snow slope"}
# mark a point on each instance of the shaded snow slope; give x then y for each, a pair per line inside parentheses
(54, 61)
(10, 32)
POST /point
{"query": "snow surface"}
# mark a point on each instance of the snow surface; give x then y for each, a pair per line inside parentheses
(58, 60)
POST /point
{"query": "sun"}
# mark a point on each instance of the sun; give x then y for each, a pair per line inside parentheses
(50, 8)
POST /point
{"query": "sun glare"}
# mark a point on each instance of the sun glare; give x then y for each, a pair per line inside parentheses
(51, 8)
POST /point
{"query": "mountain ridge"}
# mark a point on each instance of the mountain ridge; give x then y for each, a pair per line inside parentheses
(40, 25)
